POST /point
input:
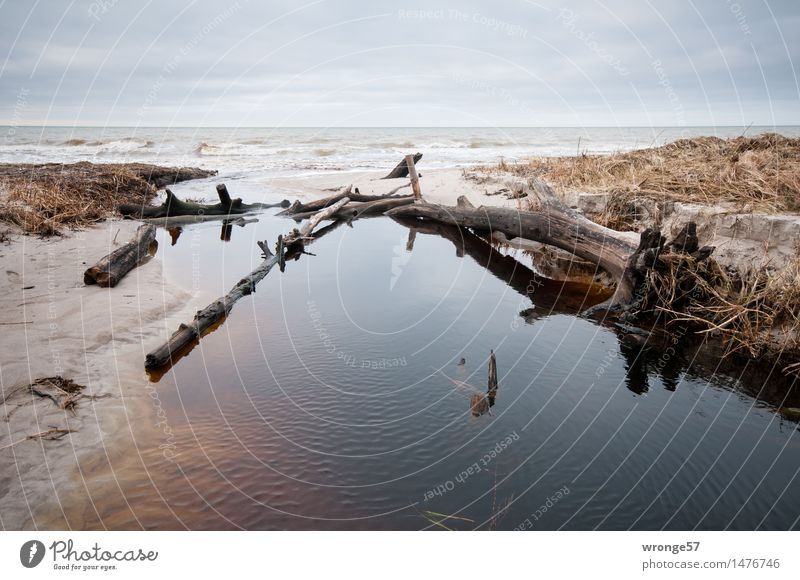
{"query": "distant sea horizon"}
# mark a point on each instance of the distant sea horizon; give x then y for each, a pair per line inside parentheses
(288, 151)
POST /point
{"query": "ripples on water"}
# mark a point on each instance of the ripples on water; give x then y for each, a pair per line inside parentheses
(334, 398)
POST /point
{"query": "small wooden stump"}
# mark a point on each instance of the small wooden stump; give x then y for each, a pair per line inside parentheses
(412, 174)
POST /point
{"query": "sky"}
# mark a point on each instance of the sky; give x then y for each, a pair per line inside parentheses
(335, 63)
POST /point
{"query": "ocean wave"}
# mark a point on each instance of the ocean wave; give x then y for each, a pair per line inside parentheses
(324, 152)
(481, 143)
(205, 149)
(393, 145)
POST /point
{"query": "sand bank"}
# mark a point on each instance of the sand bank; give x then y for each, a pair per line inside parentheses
(54, 325)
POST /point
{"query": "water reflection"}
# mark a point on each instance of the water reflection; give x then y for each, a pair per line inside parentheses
(273, 431)
(668, 356)
(548, 296)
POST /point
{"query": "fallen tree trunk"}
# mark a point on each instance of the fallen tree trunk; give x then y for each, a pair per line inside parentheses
(113, 267)
(401, 169)
(187, 336)
(298, 236)
(552, 223)
(314, 206)
(548, 296)
(215, 312)
(358, 210)
(173, 206)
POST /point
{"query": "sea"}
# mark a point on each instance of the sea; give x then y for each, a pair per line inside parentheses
(288, 151)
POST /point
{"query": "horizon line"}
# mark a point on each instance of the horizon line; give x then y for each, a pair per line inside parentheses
(66, 126)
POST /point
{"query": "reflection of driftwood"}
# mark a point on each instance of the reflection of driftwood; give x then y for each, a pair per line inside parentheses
(478, 404)
(211, 314)
(112, 268)
(184, 339)
(401, 169)
(548, 296)
(173, 207)
(555, 224)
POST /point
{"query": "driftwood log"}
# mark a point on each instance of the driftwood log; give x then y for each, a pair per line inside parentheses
(304, 233)
(491, 390)
(553, 223)
(173, 207)
(215, 312)
(113, 267)
(187, 335)
(311, 207)
(548, 296)
(355, 210)
(401, 169)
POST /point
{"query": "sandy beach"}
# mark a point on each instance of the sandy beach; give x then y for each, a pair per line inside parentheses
(54, 325)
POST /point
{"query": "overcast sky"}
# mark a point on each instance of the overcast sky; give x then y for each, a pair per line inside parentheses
(376, 63)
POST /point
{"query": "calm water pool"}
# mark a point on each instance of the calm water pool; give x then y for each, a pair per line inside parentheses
(334, 398)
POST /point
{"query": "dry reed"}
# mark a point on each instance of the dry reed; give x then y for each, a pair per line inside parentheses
(42, 198)
(758, 173)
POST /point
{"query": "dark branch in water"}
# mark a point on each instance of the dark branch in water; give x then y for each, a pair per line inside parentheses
(173, 206)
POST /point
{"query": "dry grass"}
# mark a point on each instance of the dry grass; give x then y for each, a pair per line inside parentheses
(43, 198)
(759, 173)
(756, 312)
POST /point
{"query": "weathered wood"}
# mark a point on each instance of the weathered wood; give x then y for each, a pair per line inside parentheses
(184, 339)
(412, 174)
(401, 169)
(553, 223)
(224, 196)
(354, 210)
(318, 204)
(462, 201)
(113, 267)
(174, 207)
(491, 391)
(306, 209)
(548, 296)
(492, 380)
(398, 188)
(307, 229)
(210, 315)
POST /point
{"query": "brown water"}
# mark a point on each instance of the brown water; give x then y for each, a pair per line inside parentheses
(333, 398)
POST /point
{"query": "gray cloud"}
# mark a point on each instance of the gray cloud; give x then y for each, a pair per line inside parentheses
(332, 62)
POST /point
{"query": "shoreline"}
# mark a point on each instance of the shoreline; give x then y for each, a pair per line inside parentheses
(93, 336)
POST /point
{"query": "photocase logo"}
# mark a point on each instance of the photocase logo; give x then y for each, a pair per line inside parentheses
(31, 553)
